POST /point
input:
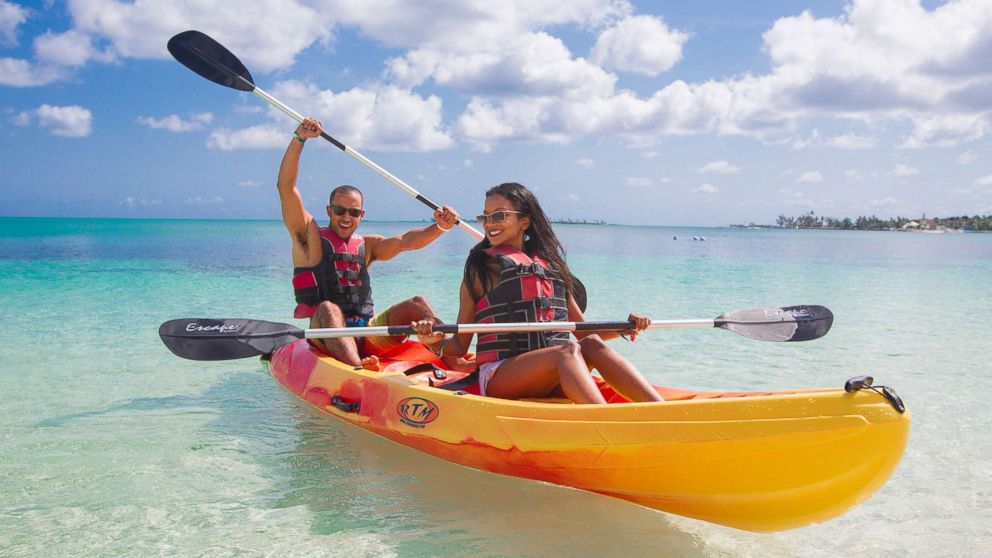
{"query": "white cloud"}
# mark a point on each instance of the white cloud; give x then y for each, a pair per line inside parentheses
(11, 16)
(534, 64)
(570, 197)
(266, 35)
(984, 181)
(175, 123)
(250, 183)
(22, 119)
(639, 181)
(967, 157)
(264, 136)
(811, 177)
(947, 130)
(852, 141)
(132, 202)
(854, 174)
(378, 117)
(812, 140)
(16, 72)
(585, 163)
(841, 141)
(71, 48)
(719, 167)
(216, 200)
(902, 170)
(649, 154)
(641, 44)
(463, 25)
(71, 121)
(705, 188)
(881, 61)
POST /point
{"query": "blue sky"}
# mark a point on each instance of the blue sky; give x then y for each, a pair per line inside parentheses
(674, 113)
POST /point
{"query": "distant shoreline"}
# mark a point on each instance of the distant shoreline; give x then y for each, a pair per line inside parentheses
(964, 223)
(923, 231)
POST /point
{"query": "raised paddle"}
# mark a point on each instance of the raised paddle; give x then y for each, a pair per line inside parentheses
(228, 339)
(210, 59)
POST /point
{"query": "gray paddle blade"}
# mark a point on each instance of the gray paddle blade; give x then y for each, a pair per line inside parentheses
(210, 59)
(225, 339)
(788, 323)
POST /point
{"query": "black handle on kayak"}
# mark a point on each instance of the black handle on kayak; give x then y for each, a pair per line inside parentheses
(344, 405)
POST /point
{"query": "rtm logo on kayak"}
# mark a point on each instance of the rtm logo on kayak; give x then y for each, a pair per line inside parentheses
(416, 412)
(219, 328)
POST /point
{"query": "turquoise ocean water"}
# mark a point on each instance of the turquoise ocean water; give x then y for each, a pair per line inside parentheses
(111, 446)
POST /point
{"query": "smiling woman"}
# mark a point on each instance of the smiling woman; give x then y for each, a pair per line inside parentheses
(519, 272)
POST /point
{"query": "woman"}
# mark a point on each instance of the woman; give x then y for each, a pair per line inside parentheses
(516, 274)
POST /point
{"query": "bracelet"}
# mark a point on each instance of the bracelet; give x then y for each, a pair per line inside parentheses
(440, 349)
(442, 229)
(298, 138)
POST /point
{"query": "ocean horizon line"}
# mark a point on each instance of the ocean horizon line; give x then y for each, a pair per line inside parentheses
(277, 220)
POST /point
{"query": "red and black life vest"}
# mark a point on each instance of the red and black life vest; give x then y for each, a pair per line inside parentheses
(528, 290)
(341, 277)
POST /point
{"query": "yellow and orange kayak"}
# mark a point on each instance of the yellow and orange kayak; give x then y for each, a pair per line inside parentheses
(759, 461)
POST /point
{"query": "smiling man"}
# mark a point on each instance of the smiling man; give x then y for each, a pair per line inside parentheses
(331, 264)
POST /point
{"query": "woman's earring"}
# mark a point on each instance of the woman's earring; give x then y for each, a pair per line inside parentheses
(526, 237)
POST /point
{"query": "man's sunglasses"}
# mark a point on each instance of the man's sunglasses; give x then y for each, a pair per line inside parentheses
(339, 210)
(495, 216)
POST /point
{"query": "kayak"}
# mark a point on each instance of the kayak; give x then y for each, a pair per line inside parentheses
(759, 461)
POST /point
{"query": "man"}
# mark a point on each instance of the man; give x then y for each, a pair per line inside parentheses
(330, 276)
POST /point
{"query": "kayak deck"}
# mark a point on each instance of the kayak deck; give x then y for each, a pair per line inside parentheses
(760, 461)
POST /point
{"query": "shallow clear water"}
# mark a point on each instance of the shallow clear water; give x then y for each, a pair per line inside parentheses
(110, 445)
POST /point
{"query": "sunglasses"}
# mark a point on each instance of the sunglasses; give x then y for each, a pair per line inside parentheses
(495, 216)
(339, 210)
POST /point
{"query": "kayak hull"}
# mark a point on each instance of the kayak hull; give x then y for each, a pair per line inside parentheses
(759, 461)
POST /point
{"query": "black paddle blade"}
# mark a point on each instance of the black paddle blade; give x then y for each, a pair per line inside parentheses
(225, 339)
(789, 323)
(210, 59)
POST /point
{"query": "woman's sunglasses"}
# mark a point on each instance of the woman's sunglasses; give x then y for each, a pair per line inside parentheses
(495, 216)
(353, 211)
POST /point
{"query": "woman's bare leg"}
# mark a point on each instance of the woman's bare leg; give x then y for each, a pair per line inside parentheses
(616, 370)
(538, 373)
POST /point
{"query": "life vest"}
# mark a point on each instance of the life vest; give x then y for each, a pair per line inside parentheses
(341, 277)
(528, 290)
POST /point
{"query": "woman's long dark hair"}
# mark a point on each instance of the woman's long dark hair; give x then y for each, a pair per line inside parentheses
(539, 240)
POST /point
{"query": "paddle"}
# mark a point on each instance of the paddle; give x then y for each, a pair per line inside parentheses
(211, 60)
(228, 339)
